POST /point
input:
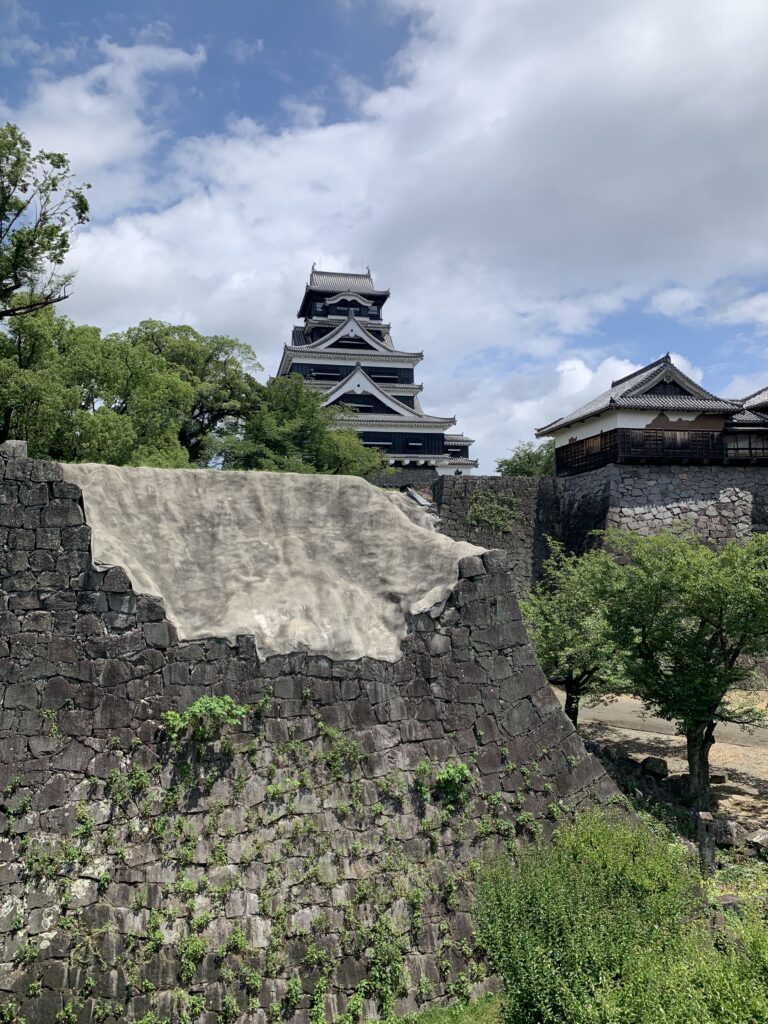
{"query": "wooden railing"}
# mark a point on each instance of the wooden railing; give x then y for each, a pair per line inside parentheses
(672, 447)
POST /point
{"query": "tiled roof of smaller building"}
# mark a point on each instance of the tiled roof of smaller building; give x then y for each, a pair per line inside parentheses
(632, 392)
(757, 400)
(748, 418)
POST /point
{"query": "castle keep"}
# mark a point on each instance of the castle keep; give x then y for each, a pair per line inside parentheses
(345, 350)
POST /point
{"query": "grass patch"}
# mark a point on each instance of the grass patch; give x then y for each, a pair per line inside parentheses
(745, 877)
(484, 1011)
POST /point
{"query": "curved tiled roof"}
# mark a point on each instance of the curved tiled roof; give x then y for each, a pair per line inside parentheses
(757, 399)
(421, 420)
(341, 355)
(631, 392)
(331, 280)
(748, 418)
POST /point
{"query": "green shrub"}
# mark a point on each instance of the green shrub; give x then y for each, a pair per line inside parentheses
(292, 998)
(608, 925)
(192, 949)
(454, 784)
(493, 511)
(204, 720)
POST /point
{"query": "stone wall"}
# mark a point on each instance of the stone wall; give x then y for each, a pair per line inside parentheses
(716, 502)
(307, 857)
(421, 478)
(535, 504)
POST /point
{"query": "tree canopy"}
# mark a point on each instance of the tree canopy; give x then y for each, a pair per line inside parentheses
(567, 621)
(528, 459)
(39, 206)
(161, 395)
(290, 430)
(684, 615)
(666, 618)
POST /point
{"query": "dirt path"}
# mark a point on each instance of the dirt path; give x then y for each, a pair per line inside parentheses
(742, 755)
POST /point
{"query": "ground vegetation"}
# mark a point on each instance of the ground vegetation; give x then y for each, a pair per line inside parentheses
(608, 923)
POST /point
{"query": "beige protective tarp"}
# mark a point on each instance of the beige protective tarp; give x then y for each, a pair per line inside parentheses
(328, 564)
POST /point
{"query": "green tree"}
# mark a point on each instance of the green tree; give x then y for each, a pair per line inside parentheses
(528, 459)
(39, 207)
(218, 368)
(291, 431)
(686, 614)
(162, 395)
(38, 397)
(568, 626)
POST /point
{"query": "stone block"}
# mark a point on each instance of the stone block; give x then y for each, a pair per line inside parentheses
(13, 449)
(729, 834)
(46, 472)
(33, 494)
(656, 767)
(438, 643)
(48, 539)
(76, 537)
(116, 580)
(471, 567)
(60, 512)
(758, 840)
(157, 634)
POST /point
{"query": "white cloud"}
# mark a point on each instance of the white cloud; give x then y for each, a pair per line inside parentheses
(100, 118)
(532, 168)
(675, 302)
(752, 309)
(302, 114)
(740, 386)
(244, 50)
(684, 363)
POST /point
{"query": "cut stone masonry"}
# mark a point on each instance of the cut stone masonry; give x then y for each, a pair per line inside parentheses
(290, 860)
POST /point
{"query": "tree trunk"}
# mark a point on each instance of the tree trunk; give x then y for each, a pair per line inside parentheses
(572, 698)
(5, 426)
(699, 740)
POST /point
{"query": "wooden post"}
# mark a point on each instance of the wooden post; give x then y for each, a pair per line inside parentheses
(706, 841)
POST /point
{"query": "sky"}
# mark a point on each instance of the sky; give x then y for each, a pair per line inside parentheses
(554, 192)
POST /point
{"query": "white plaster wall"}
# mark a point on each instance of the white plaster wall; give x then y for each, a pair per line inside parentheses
(612, 420)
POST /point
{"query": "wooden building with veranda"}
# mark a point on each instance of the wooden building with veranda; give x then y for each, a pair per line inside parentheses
(658, 414)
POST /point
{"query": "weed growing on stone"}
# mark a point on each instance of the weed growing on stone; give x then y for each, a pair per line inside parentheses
(453, 785)
(203, 721)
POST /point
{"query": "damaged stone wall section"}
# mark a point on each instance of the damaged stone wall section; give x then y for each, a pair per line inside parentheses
(281, 866)
(717, 503)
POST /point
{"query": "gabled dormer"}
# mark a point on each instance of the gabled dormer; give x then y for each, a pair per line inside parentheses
(358, 391)
(350, 334)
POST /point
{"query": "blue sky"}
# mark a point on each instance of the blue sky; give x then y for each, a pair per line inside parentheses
(257, 53)
(554, 193)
